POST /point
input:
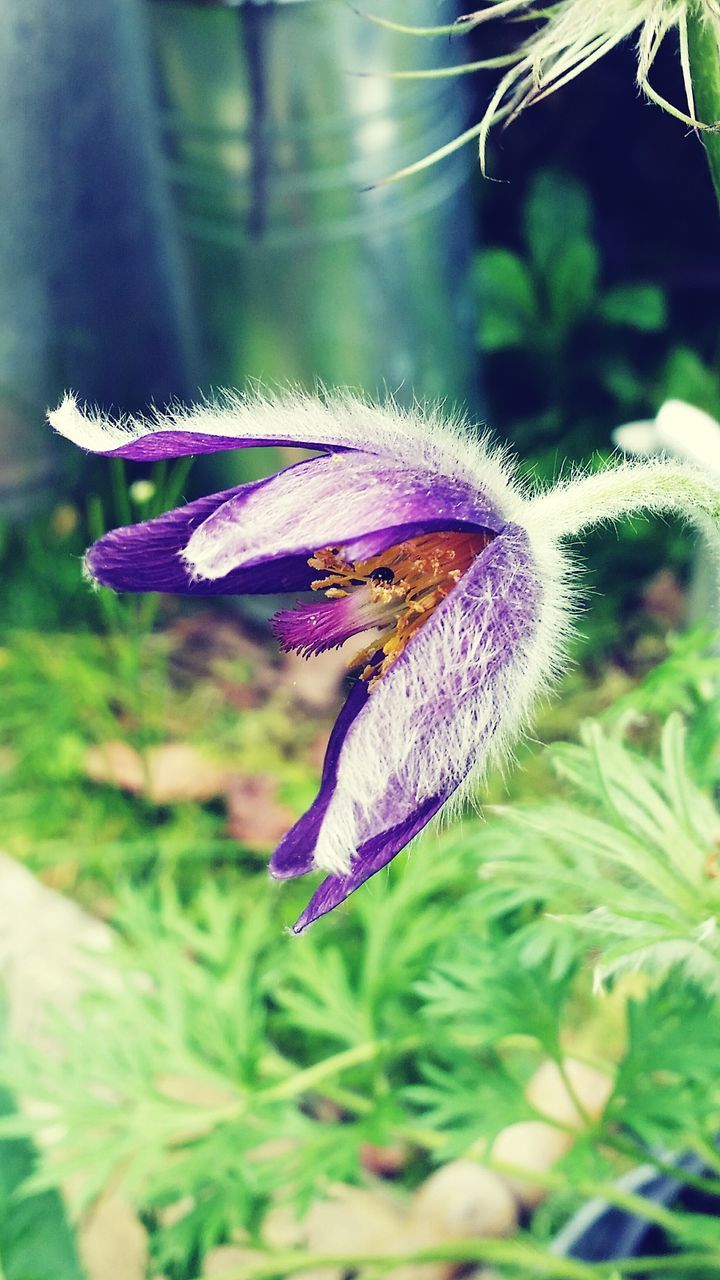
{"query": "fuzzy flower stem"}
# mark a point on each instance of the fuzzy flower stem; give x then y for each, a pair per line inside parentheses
(629, 489)
(703, 58)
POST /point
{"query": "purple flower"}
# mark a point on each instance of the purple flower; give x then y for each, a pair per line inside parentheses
(413, 535)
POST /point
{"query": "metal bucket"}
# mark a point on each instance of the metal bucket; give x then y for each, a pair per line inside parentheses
(277, 118)
(90, 290)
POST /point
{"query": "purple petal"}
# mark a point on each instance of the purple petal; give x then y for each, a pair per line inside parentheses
(314, 628)
(148, 557)
(335, 500)
(456, 698)
(237, 423)
(340, 422)
(371, 858)
(278, 523)
(294, 854)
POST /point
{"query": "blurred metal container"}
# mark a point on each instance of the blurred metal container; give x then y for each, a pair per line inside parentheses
(277, 118)
(90, 282)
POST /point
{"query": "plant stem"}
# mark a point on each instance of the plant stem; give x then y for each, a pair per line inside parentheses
(310, 1077)
(629, 1201)
(630, 488)
(572, 1093)
(704, 66)
(520, 1253)
(711, 1186)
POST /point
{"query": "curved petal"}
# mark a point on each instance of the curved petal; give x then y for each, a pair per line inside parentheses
(333, 500)
(371, 858)
(417, 437)
(236, 423)
(148, 556)
(453, 702)
(637, 437)
(294, 854)
(324, 624)
(690, 433)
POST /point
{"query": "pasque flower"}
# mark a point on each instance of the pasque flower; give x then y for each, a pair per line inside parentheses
(415, 536)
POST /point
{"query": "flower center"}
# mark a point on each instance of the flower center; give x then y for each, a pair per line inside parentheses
(400, 588)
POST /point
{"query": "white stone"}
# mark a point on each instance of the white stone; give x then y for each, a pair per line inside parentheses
(460, 1201)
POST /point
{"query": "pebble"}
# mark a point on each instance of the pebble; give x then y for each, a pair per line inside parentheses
(547, 1091)
(535, 1145)
(461, 1200)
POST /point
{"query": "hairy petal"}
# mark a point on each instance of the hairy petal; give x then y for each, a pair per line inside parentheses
(375, 854)
(453, 703)
(294, 854)
(324, 624)
(148, 556)
(332, 501)
(679, 428)
(423, 437)
(690, 433)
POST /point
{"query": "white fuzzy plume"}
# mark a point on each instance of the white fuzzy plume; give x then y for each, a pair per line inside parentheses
(577, 33)
(572, 36)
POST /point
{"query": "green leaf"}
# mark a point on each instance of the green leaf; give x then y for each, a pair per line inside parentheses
(572, 282)
(623, 382)
(640, 306)
(666, 1089)
(507, 302)
(557, 213)
(35, 1239)
(477, 994)
(685, 377)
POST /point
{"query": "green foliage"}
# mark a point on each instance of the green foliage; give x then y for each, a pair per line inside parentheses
(223, 1066)
(66, 694)
(686, 377)
(200, 1069)
(570, 355)
(639, 306)
(570, 334)
(666, 1091)
(630, 862)
(507, 297)
(35, 1239)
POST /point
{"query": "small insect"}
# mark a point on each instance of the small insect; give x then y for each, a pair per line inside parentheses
(383, 574)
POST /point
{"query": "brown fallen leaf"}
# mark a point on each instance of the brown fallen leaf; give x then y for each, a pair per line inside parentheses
(256, 816)
(665, 599)
(166, 774)
(112, 1241)
(384, 1161)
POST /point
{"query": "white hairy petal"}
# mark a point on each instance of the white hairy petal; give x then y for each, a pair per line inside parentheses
(421, 437)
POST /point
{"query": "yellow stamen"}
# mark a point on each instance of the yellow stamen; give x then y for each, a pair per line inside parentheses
(406, 582)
